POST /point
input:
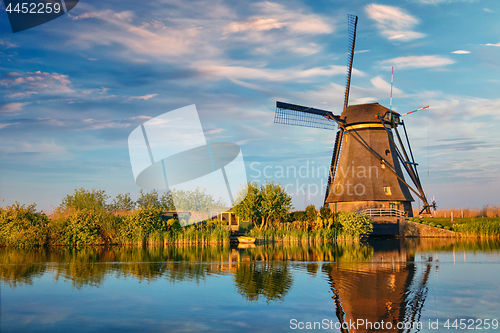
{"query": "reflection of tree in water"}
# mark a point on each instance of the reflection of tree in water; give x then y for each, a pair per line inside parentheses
(258, 271)
(90, 266)
(267, 279)
(21, 267)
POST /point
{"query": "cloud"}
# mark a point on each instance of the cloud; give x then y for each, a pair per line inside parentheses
(144, 98)
(152, 38)
(21, 95)
(331, 96)
(7, 43)
(29, 83)
(45, 147)
(12, 108)
(215, 131)
(496, 45)
(277, 16)
(487, 10)
(257, 24)
(269, 74)
(436, 2)
(412, 62)
(393, 23)
(461, 52)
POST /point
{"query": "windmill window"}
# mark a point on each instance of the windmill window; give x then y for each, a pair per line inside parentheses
(387, 190)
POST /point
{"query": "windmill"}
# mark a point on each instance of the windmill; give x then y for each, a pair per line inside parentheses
(369, 155)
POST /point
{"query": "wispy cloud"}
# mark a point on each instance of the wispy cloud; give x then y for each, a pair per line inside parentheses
(416, 62)
(461, 52)
(214, 131)
(487, 10)
(277, 16)
(496, 45)
(44, 147)
(12, 108)
(144, 98)
(393, 23)
(269, 74)
(23, 85)
(7, 43)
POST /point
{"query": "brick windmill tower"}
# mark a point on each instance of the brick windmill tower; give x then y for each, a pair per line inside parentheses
(369, 155)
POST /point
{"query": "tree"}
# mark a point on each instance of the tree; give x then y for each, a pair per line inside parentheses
(122, 202)
(250, 203)
(83, 199)
(196, 201)
(275, 203)
(311, 213)
(148, 199)
(325, 212)
(167, 201)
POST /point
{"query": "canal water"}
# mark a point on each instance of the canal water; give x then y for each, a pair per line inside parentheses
(427, 285)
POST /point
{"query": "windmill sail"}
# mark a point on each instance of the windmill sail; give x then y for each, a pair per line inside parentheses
(352, 23)
(292, 114)
(367, 139)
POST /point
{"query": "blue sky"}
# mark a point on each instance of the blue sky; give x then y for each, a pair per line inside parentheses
(74, 88)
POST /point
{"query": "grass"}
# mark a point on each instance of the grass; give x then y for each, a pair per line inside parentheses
(461, 212)
(467, 226)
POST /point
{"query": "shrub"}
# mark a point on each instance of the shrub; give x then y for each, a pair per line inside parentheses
(354, 224)
(23, 226)
(88, 227)
(136, 226)
(83, 199)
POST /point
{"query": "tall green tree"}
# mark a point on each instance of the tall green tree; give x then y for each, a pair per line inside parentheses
(122, 202)
(197, 200)
(250, 204)
(150, 199)
(275, 203)
(167, 201)
(84, 199)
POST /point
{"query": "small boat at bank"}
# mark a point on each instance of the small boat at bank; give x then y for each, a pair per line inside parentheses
(246, 240)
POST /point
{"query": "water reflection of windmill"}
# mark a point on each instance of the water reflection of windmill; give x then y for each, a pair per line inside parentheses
(389, 292)
(365, 170)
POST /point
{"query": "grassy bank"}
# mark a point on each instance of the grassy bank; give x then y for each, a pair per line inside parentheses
(467, 226)
(22, 226)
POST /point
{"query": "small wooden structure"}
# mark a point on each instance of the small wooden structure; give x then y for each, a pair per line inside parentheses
(225, 214)
(182, 216)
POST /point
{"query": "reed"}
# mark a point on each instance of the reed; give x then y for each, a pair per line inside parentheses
(458, 212)
(478, 228)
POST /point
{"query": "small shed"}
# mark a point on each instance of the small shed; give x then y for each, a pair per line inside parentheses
(225, 214)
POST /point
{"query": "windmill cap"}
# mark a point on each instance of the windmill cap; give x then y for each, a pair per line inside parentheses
(364, 113)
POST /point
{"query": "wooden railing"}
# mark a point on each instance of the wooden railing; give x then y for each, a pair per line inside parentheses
(382, 212)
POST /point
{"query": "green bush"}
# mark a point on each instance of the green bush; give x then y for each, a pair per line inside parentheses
(136, 226)
(23, 226)
(353, 223)
(88, 227)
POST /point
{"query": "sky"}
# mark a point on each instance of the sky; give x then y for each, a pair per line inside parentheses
(73, 89)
